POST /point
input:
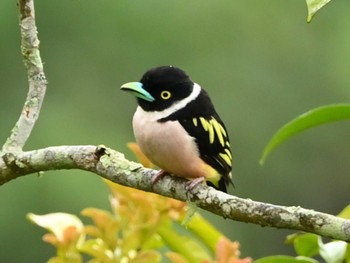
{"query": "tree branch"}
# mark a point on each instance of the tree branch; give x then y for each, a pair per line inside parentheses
(36, 79)
(113, 166)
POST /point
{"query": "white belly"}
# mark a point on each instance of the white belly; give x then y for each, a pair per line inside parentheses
(168, 145)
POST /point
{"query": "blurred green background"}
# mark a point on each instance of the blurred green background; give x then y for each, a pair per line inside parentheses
(260, 61)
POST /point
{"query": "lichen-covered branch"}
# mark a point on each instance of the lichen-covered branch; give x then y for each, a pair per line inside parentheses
(36, 79)
(113, 166)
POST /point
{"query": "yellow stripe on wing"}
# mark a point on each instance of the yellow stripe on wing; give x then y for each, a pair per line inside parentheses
(218, 129)
(195, 121)
(226, 158)
(211, 132)
(228, 153)
(204, 123)
(213, 127)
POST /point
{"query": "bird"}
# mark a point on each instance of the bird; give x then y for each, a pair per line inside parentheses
(178, 129)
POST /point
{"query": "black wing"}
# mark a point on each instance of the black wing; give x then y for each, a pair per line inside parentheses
(213, 144)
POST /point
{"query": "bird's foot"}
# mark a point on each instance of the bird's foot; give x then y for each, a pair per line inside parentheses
(158, 176)
(193, 183)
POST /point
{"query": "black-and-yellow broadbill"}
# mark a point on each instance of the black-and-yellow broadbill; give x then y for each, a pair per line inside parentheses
(178, 129)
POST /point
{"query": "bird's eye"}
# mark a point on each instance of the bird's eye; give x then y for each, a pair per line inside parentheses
(165, 94)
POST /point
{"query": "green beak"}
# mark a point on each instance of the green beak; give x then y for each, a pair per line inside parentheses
(136, 88)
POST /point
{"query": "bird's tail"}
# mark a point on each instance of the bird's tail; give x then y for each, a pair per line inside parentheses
(223, 183)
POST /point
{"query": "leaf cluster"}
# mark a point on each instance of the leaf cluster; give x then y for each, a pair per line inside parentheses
(142, 227)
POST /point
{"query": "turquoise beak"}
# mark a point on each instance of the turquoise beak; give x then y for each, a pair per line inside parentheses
(136, 88)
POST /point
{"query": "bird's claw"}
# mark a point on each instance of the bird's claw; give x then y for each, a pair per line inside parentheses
(193, 183)
(159, 175)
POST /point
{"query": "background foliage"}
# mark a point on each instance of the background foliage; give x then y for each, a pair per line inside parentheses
(259, 60)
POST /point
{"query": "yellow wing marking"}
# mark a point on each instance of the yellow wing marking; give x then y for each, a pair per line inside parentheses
(195, 121)
(213, 127)
(222, 130)
(204, 123)
(226, 158)
(211, 131)
(218, 129)
(228, 153)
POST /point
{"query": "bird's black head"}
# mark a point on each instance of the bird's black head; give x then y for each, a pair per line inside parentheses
(161, 87)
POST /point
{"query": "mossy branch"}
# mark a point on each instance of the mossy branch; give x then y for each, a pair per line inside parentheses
(36, 78)
(113, 166)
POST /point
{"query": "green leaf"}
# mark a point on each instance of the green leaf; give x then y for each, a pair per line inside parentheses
(345, 213)
(186, 246)
(307, 245)
(313, 6)
(153, 242)
(205, 231)
(285, 259)
(347, 254)
(150, 256)
(312, 118)
(98, 249)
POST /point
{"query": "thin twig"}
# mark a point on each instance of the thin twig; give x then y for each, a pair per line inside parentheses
(113, 166)
(36, 79)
